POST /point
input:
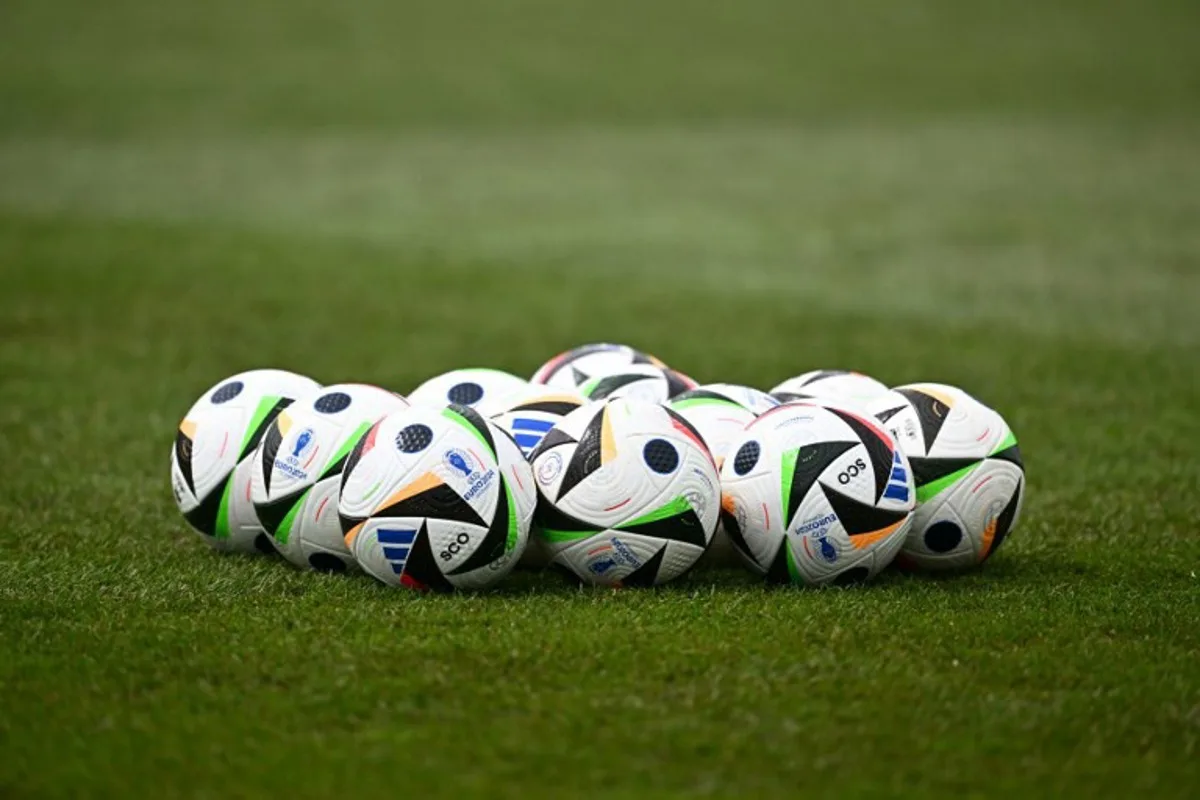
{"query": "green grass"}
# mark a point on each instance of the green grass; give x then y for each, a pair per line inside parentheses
(999, 196)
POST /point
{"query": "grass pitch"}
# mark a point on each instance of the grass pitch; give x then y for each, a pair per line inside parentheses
(1004, 198)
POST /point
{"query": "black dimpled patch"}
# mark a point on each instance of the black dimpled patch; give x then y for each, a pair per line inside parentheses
(332, 403)
(465, 394)
(747, 457)
(226, 392)
(414, 438)
(661, 456)
(942, 537)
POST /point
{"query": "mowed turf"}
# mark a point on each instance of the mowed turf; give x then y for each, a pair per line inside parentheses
(1004, 198)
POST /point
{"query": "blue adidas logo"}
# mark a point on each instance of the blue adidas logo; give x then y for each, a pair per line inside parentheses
(528, 432)
(397, 544)
(897, 488)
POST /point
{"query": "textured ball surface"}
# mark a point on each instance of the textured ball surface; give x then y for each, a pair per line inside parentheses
(212, 463)
(969, 475)
(299, 469)
(720, 412)
(436, 499)
(832, 385)
(629, 494)
(474, 387)
(644, 382)
(816, 494)
(578, 366)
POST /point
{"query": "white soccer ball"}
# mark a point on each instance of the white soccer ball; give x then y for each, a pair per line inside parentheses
(436, 499)
(474, 387)
(300, 465)
(212, 462)
(629, 494)
(831, 385)
(581, 364)
(641, 381)
(969, 476)
(720, 412)
(816, 494)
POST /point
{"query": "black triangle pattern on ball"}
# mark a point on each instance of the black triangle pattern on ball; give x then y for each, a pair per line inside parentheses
(348, 523)
(492, 546)
(1010, 454)
(335, 468)
(266, 421)
(734, 532)
(877, 449)
(578, 375)
(811, 461)
(610, 383)
(823, 374)
(422, 566)
(556, 407)
(686, 527)
(791, 397)
(478, 423)
(553, 518)
(778, 571)
(930, 411)
(440, 502)
(587, 456)
(270, 450)
(646, 575)
(204, 516)
(676, 383)
(886, 414)
(553, 438)
(183, 457)
(270, 515)
(641, 358)
(859, 517)
(1005, 521)
(928, 470)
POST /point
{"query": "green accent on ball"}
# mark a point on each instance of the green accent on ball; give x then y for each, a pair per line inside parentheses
(510, 544)
(285, 525)
(265, 406)
(551, 535)
(1009, 441)
(793, 571)
(703, 401)
(589, 386)
(934, 488)
(678, 506)
(221, 528)
(787, 471)
(346, 447)
(450, 413)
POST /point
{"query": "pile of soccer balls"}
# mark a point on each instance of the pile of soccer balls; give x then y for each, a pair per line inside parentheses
(607, 465)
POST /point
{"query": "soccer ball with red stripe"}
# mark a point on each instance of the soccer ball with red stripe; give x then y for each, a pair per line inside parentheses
(629, 494)
(816, 494)
(581, 364)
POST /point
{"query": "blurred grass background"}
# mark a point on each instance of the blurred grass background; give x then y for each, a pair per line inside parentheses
(1003, 196)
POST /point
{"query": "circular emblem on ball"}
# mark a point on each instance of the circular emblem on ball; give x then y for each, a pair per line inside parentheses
(746, 458)
(661, 456)
(227, 392)
(465, 394)
(332, 403)
(414, 438)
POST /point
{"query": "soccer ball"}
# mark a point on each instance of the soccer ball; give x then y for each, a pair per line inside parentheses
(575, 367)
(530, 412)
(642, 381)
(300, 466)
(465, 387)
(629, 493)
(816, 494)
(720, 412)
(833, 385)
(436, 499)
(212, 464)
(969, 476)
